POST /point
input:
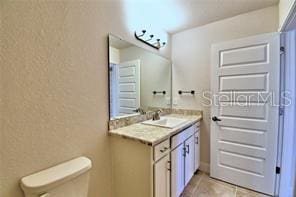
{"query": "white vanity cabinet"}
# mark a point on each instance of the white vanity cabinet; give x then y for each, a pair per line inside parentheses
(162, 177)
(162, 170)
(139, 169)
(189, 159)
(177, 170)
(182, 159)
(196, 149)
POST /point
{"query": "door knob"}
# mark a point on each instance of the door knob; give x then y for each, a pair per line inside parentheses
(214, 118)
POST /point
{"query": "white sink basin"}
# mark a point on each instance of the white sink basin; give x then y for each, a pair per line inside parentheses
(167, 122)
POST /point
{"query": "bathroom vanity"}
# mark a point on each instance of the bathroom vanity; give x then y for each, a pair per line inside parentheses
(153, 161)
(150, 158)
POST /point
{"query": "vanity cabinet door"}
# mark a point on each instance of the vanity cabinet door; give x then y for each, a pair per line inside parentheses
(196, 151)
(189, 159)
(177, 159)
(162, 177)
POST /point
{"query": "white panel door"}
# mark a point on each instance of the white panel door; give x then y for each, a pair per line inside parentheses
(162, 177)
(244, 130)
(189, 159)
(177, 171)
(128, 87)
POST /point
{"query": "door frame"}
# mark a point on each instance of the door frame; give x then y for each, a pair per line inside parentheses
(289, 22)
(288, 61)
(287, 158)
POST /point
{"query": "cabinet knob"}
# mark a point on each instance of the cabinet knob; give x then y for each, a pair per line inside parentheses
(164, 149)
(196, 140)
(187, 147)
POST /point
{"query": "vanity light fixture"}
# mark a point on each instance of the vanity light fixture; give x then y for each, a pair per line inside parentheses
(155, 43)
(143, 33)
(151, 36)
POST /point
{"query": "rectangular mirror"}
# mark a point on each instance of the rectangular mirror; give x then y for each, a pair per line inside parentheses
(138, 79)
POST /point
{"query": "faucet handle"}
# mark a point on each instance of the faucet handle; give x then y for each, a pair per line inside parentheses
(140, 110)
(159, 111)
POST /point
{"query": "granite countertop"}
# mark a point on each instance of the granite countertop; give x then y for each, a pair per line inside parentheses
(152, 135)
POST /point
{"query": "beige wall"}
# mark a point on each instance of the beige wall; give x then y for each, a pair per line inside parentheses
(191, 59)
(1, 102)
(284, 9)
(54, 103)
(55, 93)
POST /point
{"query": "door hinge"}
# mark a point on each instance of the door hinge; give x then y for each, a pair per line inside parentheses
(277, 170)
(282, 50)
(281, 111)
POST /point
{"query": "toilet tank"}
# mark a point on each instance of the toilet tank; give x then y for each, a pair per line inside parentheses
(69, 179)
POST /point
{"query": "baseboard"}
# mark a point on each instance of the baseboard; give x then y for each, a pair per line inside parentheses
(204, 167)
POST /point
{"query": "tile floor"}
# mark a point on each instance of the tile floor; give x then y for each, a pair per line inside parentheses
(201, 185)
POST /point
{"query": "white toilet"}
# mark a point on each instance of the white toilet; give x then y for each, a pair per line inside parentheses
(69, 179)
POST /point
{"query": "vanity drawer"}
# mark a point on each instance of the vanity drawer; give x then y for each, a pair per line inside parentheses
(161, 149)
(183, 135)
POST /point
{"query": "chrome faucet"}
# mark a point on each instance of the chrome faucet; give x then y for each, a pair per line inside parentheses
(156, 114)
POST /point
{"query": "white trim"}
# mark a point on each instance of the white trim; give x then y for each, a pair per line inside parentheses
(204, 167)
(289, 18)
(281, 118)
(288, 160)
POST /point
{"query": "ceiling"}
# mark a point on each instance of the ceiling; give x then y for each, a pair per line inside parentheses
(177, 15)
